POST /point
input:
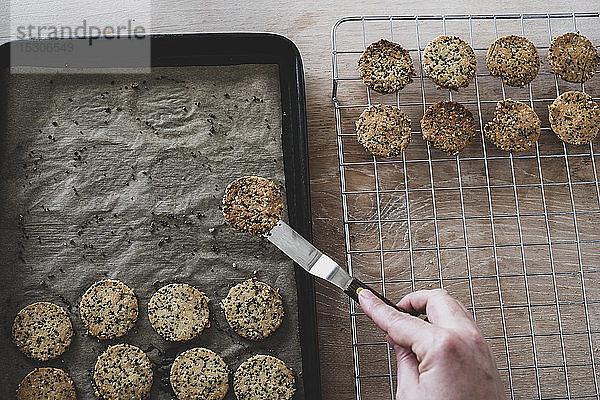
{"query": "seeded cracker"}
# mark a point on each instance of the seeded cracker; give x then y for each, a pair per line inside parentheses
(386, 67)
(573, 57)
(448, 126)
(252, 204)
(108, 309)
(515, 127)
(122, 372)
(383, 130)
(178, 312)
(514, 59)
(42, 331)
(47, 384)
(574, 117)
(199, 373)
(253, 309)
(449, 62)
(263, 378)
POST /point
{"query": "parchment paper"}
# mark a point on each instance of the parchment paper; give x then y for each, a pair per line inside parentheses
(121, 176)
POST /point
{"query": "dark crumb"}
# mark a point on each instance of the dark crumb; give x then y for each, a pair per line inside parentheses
(165, 240)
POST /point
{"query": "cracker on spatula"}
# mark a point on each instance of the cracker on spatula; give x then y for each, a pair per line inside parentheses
(252, 204)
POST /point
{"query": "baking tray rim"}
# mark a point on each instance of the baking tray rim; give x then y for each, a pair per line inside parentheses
(237, 48)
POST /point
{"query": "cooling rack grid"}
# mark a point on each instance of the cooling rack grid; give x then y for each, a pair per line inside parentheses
(514, 236)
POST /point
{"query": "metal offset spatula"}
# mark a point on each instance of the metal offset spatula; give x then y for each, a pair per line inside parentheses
(252, 204)
(316, 263)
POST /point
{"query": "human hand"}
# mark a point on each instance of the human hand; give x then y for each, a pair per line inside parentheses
(447, 358)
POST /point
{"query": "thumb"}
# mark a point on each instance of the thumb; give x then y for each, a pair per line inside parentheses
(404, 329)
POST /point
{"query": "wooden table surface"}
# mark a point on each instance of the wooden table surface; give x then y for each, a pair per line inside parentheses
(308, 25)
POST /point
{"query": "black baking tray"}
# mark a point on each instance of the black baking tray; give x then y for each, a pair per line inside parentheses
(235, 49)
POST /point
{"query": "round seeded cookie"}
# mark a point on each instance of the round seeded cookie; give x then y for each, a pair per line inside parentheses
(47, 384)
(122, 372)
(199, 373)
(573, 57)
(448, 126)
(42, 331)
(263, 377)
(514, 59)
(108, 309)
(383, 130)
(252, 204)
(449, 62)
(253, 309)
(515, 127)
(386, 67)
(178, 312)
(574, 117)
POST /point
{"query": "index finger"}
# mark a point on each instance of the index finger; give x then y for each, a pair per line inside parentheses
(441, 308)
(404, 329)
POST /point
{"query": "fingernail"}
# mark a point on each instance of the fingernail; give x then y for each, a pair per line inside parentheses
(365, 294)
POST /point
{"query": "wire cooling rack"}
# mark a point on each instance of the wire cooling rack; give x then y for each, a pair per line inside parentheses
(515, 237)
